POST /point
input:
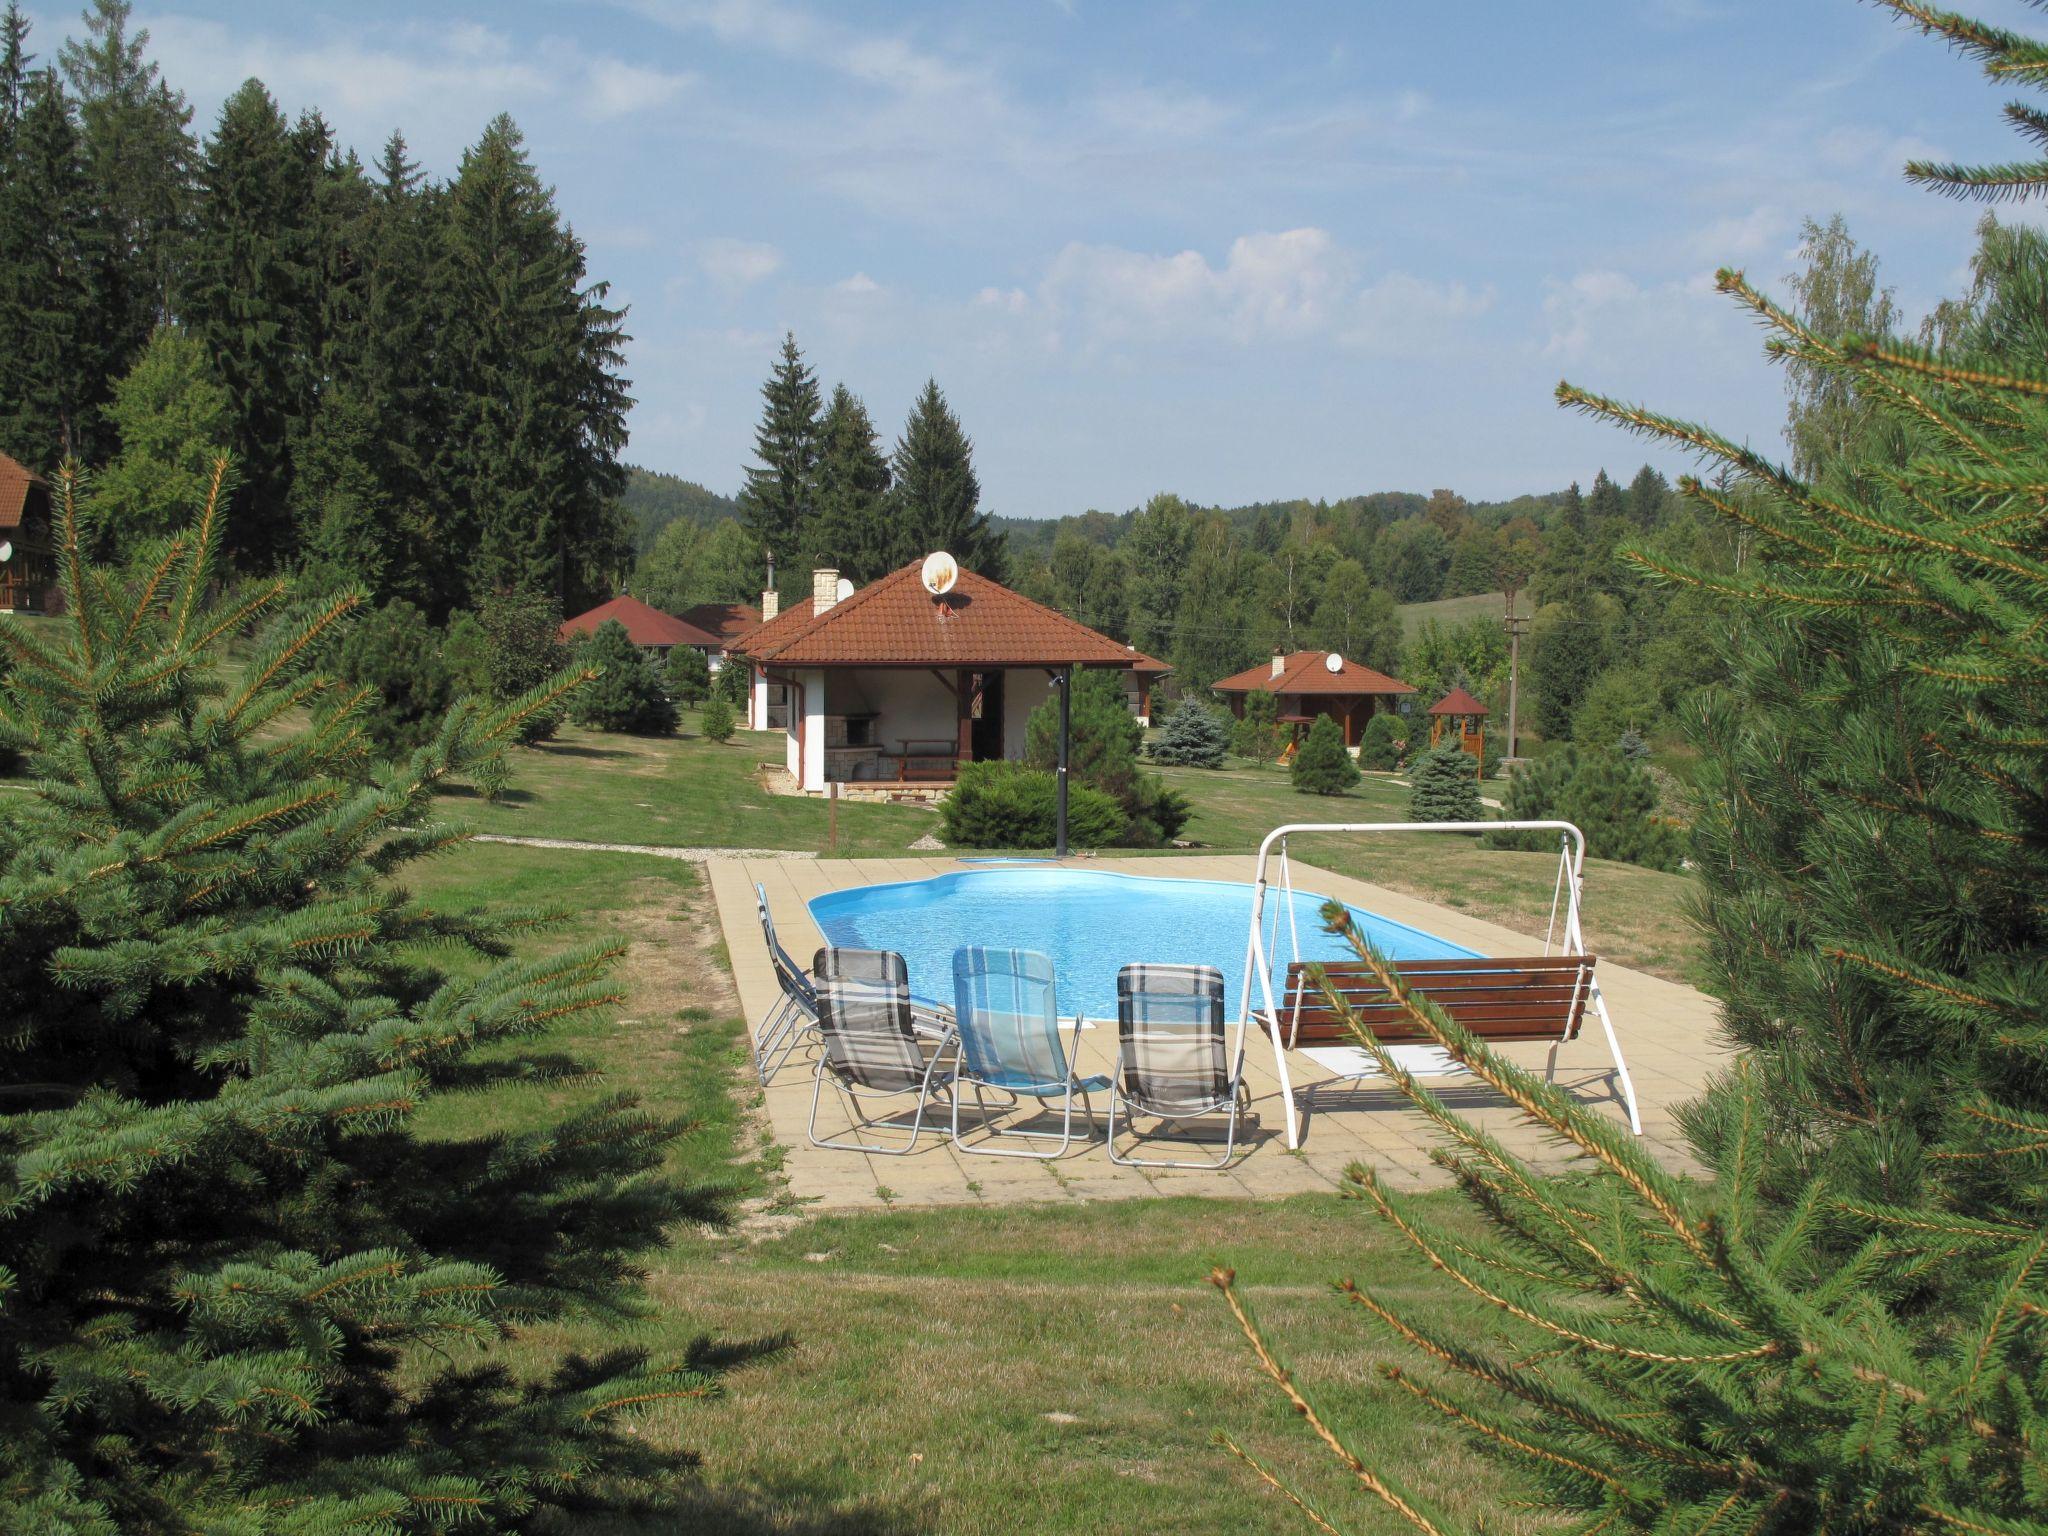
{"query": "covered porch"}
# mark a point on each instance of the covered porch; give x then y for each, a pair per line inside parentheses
(884, 729)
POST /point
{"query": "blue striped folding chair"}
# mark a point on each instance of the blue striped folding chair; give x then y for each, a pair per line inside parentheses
(869, 1044)
(1173, 1058)
(793, 1021)
(1008, 1028)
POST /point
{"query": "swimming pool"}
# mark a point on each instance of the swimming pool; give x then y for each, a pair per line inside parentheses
(1092, 923)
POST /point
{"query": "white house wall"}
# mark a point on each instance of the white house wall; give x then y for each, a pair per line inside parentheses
(1023, 691)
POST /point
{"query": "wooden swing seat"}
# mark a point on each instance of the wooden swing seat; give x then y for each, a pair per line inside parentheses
(1542, 997)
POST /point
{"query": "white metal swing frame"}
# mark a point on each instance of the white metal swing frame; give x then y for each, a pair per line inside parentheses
(1571, 873)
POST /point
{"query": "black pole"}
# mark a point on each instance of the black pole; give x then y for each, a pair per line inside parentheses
(1064, 682)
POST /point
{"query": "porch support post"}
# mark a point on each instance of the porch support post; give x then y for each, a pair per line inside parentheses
(1065, 683)
(963, 693)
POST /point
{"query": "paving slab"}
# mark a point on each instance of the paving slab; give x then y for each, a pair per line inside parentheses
(1669, 1034)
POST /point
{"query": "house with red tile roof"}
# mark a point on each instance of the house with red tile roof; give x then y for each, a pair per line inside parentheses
(1306, 684)
(896, 684)
(726, 621)
(649, 628)
(28, 569)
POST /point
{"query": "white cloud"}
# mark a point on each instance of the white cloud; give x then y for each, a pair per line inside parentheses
(1291, 286)
(1608, 317)
(737, 264)
(857, 285)
(432, 76)
(618, 89)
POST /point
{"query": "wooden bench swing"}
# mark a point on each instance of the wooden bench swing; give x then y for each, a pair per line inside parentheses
(1537, 999)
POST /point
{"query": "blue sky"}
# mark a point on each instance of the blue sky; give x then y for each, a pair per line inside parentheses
(1234, 250)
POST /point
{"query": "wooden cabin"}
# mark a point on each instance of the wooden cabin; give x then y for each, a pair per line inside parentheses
(28, 566)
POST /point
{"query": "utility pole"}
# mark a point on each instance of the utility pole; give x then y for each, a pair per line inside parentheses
(1064, 681)
(1515, 624)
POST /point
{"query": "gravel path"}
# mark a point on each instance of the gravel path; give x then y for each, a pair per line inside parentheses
(694, 855)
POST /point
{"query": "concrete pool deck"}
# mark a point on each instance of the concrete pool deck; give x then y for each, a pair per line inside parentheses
(1669, 1036)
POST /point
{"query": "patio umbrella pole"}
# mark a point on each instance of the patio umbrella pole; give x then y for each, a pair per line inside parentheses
(1064, 682)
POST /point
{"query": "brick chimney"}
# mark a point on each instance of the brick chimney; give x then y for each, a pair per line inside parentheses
(824, 589)
(1279, 661)
(771, 604)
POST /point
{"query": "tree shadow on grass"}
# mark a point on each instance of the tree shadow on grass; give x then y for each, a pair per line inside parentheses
(569, 749)
(546, 1070)
(780, 1509)
(471, 792)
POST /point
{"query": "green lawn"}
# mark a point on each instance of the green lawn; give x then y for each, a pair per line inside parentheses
(678, 792)
(960, 1371)
(1453, 610)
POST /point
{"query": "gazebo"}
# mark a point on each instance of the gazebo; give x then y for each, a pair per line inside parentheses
(1459, 711)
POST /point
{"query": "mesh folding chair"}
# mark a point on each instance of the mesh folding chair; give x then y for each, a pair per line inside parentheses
(793, 1021)
(1173, 1059)
(1008, 1029)
(869, 1044)
(794, 1018)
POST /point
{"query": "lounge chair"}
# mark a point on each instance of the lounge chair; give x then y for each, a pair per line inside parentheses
(1008, 1034)
(869, 1044)
(793, 1021)
(1173, 1058)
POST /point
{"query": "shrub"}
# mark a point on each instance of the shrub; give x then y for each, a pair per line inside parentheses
(627, 694)
(717, 721)
(1444, 786)
(1610, 798)
(1257, 735)
(1103, 754)
(1193, 738)
(245, 1287)
(395, 654)
(466, 649)
(1321, 765)
(1384, 743)
(687, 674)
(1012, 805)
(1621, 700)
(526, 649)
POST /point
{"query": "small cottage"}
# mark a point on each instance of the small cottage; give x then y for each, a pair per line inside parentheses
(1309, 684)
(28, 566)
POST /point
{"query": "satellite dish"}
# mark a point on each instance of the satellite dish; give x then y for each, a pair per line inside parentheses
(844, 590)
(6, 551)
(1333, 662)
(940, 574)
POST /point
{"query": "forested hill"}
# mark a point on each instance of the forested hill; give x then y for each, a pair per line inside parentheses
(653, 500)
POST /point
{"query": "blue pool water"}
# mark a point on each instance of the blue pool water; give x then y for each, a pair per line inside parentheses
(1092, 924)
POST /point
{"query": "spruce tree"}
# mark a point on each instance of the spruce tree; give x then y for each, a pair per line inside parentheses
(626, 694)
(138, 159)
(1647, 495)
(1571, 513)
(528, 466)
(251, 284)
(850, 530)
(1838, 1330)
(1443, 785)
(1604, 505)
(1321, 766)
(241, 1293)
(686, 674)
(1192, 737)
(43, 296)
(937, 496)
(781, 493)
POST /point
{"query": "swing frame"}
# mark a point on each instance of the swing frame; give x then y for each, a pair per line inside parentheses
(1571, 941)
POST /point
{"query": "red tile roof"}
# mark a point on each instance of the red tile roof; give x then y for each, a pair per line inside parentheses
(644, 625)
(1457, 702)
(728, 621)
(16, 482)
(1308, 672)
(894, 622)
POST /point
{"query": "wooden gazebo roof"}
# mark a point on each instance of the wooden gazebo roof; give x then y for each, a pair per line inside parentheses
(1457, 702)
